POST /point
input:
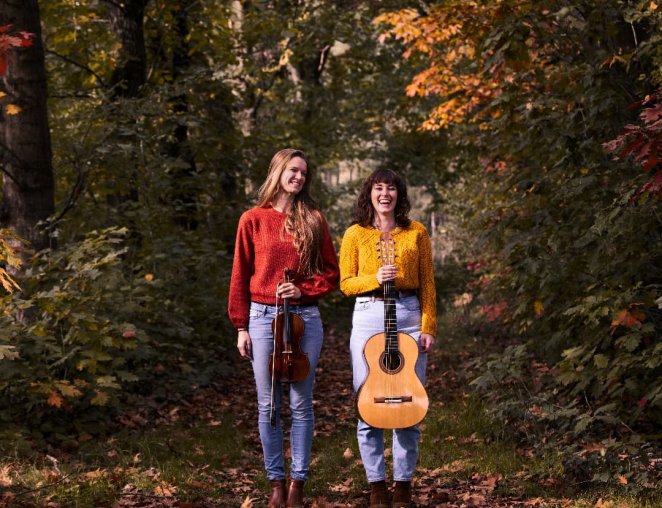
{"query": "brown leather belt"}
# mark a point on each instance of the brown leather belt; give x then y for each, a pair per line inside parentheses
(378, 294)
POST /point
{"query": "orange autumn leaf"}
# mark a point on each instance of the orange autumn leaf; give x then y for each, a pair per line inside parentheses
(468, 69)
(13, 109)
(5, 476)
(628, 318)
(247, 503)
(7, 282)
(165, 489)
(54, 399)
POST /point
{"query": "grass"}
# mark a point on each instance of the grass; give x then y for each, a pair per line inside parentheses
(180, 459)
(218, 462)
(193, 462)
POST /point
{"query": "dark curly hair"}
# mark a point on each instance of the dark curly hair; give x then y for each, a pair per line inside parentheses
(364, 213)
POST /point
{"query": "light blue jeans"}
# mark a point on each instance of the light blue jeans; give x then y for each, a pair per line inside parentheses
(367, 320)
(300, 394)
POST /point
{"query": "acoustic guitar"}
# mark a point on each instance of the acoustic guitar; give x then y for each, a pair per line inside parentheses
(392, 396)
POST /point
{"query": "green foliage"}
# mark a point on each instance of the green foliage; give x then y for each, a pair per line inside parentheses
(85, 330)
(568, 282)
(564, 263)
(68, 332)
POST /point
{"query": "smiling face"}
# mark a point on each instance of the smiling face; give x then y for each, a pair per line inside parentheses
(294, 176)
(384, 197)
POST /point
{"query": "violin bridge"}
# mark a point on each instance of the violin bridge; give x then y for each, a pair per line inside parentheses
(393, 400)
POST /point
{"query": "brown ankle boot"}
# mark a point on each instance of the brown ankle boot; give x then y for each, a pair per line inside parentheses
(378, 495)
(277, 499)
(295, 494)
(402, 495)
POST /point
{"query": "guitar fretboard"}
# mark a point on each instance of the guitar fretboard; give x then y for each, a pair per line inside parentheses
(390, 318)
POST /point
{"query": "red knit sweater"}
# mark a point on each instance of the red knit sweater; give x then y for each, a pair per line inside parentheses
(262, 251)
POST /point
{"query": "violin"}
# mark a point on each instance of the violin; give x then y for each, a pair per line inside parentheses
(289, 364)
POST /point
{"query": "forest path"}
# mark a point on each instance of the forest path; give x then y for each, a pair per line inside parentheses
(340, 481)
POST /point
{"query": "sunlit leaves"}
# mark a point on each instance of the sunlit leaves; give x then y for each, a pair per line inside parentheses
(10, 244)
(470, 62)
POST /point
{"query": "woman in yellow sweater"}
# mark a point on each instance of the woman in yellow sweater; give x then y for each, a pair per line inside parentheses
(383, 206)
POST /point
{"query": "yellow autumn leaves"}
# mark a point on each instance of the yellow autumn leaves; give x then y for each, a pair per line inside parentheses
(10, 109)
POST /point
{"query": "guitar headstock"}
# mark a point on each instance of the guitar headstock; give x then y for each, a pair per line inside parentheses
(386, 249)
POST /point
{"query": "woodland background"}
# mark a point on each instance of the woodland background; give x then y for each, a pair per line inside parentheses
(134, 132)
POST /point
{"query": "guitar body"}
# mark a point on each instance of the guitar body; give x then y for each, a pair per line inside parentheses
(392, 396)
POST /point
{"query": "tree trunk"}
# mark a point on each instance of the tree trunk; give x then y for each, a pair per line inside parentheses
(126, 19)
(130, 73)
(25, 143)
(185, 192)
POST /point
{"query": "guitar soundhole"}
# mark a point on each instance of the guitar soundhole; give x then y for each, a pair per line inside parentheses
(391, 362)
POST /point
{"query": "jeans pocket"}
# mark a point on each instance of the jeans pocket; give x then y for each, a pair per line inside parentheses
(361, 306)
(256, 312)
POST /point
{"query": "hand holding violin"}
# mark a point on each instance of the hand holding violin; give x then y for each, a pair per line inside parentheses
(288, 290)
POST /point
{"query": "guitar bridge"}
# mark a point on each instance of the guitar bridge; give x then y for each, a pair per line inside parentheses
(393, 400)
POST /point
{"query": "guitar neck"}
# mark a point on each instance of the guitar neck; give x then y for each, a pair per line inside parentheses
(390, 318)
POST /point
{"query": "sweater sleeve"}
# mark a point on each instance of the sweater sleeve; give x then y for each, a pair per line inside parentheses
(427, 290)
(351, 283)
(242, 270)
(321, 284)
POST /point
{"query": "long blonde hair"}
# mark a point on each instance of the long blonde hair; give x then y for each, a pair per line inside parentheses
(304, 219)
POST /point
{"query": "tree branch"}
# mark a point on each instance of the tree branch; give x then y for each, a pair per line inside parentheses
(76, 191)
(79, 65)
(2, 168)
(11, 177)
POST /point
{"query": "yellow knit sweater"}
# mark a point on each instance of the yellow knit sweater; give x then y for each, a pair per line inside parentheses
(359, 263)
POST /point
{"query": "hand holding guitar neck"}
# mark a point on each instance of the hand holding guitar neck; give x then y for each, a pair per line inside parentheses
(386, 273)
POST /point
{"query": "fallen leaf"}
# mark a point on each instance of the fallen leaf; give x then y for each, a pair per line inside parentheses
(343, 487)
(248, 502)
(54, 399)
(13, 109)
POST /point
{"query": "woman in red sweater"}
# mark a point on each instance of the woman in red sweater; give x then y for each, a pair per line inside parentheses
(286, 230)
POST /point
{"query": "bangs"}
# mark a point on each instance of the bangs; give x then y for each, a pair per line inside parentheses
(384, 176)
